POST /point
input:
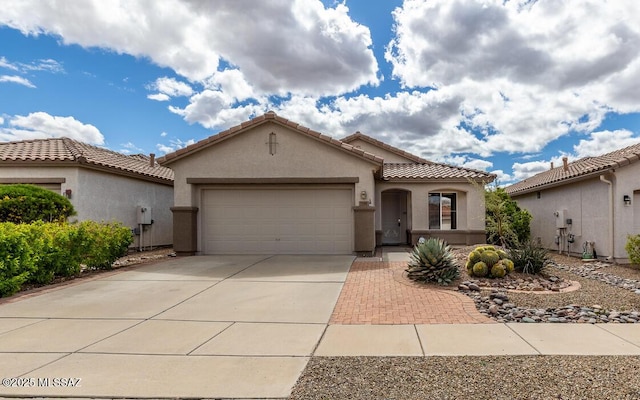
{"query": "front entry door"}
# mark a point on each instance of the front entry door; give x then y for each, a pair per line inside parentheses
(394, 217)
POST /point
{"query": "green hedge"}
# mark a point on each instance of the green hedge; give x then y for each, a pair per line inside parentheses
(29, 203)
(39, 252)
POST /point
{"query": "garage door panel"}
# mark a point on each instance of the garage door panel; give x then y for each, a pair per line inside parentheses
(277, 221)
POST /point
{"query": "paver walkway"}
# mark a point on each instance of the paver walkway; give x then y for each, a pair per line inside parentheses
(376, 292)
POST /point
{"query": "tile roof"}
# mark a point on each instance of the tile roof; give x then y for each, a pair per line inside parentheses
(69, 151)
(578, 169)
(430, 170)
(376, 142)
(268, 117)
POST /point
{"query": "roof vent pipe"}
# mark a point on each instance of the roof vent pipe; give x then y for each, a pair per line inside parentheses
(152, 160)
(565, 163)
(551, 164)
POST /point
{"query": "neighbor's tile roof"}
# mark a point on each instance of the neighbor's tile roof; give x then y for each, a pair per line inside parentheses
(577, 169)
(376, 142)
(430, 170)
(65, 150)
(269, 116)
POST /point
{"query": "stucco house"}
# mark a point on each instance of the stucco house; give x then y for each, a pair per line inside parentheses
(271, 186)
(593, 199)
(102, 185)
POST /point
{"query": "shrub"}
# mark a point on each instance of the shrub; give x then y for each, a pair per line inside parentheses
(103, 243)
(29, 203)
(506, 223)
(529, 258)
(39, 252)
(493, 263)
(17, 261)
(432, 261)
(633, 248)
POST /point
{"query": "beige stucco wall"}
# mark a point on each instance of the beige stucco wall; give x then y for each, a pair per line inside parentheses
(471, 210)
(627, 218)
(102, 196)
(388, 156)
(246, 155)
(585, 202)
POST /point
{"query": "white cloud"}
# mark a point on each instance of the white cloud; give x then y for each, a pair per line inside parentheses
(280, 46)
(524, 170)
(158, 97)
(40, 125)
(171, 87)
(163, 134)
(129, 147)
(527, 72)
(4, 63)
(1, 121)
(17, 79)
(603, 142)
(173, 145)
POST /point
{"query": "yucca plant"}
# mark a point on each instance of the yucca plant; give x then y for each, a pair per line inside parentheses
(529, 258)
(432, 261)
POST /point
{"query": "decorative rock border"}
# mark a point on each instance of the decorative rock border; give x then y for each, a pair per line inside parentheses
(497, 306)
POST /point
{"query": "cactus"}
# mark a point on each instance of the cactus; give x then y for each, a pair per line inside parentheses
(480, 269)
(488, 261)
(498, 270)
(508, 264)
(475, 256)
(432, 261)
(490, 257)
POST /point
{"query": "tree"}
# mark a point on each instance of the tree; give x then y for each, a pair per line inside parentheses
(29, 203)
(506, 223)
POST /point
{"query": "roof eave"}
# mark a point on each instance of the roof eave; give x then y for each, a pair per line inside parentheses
(561, 182)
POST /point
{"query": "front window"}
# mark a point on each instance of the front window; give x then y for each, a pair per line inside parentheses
(442, 211)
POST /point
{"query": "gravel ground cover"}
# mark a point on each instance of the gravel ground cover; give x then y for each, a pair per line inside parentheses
(500, 377)
(604, 296)
(605, 290)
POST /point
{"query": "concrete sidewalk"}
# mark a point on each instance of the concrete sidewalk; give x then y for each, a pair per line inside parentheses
(480, 340)
(233, 327)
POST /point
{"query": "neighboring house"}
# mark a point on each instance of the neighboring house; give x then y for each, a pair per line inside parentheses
(593, 199)
(271, 186)
(102, 185)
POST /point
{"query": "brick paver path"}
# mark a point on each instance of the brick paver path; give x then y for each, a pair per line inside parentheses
(376, 292)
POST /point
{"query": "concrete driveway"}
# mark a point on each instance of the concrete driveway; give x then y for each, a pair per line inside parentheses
(206, 327)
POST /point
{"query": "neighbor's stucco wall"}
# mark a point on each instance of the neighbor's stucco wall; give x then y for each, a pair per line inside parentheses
(388, 156)
(101, 196)
(70, 174)
(586, 204)
(246, 155)
(471, 209)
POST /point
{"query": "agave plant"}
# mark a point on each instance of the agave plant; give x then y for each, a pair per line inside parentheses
(432, 261)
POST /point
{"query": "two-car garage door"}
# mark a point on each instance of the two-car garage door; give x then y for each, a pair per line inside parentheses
(277, 221)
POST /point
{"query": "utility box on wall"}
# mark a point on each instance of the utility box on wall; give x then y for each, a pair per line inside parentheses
(143, 215)
(561, 219)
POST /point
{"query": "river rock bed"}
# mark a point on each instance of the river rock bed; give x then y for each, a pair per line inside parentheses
(492, 297)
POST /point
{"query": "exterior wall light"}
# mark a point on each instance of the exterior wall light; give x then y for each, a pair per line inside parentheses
(67, 193)
(363, 195)
(627, 200)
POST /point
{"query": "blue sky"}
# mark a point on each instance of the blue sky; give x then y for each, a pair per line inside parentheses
(501, 86)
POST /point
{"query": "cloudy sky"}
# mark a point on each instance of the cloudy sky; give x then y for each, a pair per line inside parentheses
(499, 85)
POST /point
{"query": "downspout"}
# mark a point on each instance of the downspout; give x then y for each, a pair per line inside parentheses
(611, 220)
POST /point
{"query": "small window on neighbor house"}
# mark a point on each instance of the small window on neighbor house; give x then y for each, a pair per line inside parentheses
(442, 211)
(538, 194)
